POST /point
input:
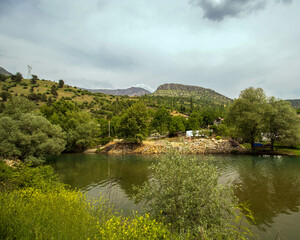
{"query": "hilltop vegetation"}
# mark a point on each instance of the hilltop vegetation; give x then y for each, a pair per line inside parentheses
(196, 93)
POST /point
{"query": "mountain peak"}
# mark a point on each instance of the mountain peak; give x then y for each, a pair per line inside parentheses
(4, 72)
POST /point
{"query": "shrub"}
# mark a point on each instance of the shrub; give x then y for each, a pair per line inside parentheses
(184, 192)
(218, 137)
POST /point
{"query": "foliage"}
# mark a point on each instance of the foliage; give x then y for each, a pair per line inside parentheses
(134, 124)
(3, 77)
(54, 91)
(281, 123)
(195, 121)
(253, 117)
(81, 128)
(17, 77)
(42, 208)
(184, 192)
(5, 96)
(161, 120)
(61, 83)
(30, 137)
(34, 79)
(27, 136)
(176, 125)
(23, 176)
(245, 114)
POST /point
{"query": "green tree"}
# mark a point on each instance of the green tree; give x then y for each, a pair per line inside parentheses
(3, 78)
(184, 192)
(281, 123)
(195, 121)
(17, 77)
(54, 91)
(34, 79)
(61, 83)
(27, 136)
(176, 125)
(245, 114)
(134, 124)
(81, 128)
(161, 120)
(5, 96)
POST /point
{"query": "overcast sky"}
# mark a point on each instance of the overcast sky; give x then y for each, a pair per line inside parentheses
(225, 45)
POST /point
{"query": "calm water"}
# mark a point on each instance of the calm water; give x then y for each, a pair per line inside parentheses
(271, 185)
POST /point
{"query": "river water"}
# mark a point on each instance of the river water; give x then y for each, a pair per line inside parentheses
(270, 184)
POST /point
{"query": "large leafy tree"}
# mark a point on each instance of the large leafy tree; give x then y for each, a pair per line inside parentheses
(245, 114)
(134, 124)
(26, 135)
(281, 122)
(161, 120)
(176, 125)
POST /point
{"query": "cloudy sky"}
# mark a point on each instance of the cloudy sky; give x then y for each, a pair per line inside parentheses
(225, 45)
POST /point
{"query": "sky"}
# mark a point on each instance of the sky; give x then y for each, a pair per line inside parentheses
(224, 45)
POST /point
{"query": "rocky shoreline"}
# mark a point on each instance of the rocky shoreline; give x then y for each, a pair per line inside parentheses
(195, 146)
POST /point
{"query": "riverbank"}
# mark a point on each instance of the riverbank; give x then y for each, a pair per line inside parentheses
(194, 146)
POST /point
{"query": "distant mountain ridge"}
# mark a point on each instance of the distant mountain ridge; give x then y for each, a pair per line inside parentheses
(294, 102)
(133, 91)
(188, 91)
(4, 72)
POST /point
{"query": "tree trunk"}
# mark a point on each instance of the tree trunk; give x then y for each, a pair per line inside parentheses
(272, 144)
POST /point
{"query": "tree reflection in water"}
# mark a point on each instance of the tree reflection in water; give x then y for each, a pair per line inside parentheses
(270, 184)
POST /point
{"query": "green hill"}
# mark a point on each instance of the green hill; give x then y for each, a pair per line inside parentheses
(187, 91)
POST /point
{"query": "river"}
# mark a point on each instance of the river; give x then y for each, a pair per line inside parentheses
(270, 184)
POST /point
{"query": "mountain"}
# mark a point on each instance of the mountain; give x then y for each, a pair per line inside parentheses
(133, 91)
(4, 72)
(188, 91)
(295, 103)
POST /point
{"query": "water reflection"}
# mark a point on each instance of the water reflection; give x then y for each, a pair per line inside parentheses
(270, 185)
(103, 175)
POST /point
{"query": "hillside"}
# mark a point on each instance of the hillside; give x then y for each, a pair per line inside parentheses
(295, 103)
(133, 91)
(195, 92)
(4, 72)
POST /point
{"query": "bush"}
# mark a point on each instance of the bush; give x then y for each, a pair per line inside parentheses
(105, 140)
(218, 137)
(184, 192)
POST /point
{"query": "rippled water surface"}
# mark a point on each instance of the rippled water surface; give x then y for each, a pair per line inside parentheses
(270, 184)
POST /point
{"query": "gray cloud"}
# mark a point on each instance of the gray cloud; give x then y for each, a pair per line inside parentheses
(217, 10)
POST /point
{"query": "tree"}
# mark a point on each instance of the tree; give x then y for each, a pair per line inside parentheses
(17, 77)
(61, 83)
(281, 122)
(245, 114)
(161, 120)
(3, 78)
(184, 193)
(176, 125)
(195, 121)
(34, 79)
(134, 124)
(81, 128)
(27, 136)
(54, 91)
(5, 96)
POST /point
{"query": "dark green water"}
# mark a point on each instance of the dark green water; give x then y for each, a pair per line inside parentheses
(270, 184)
